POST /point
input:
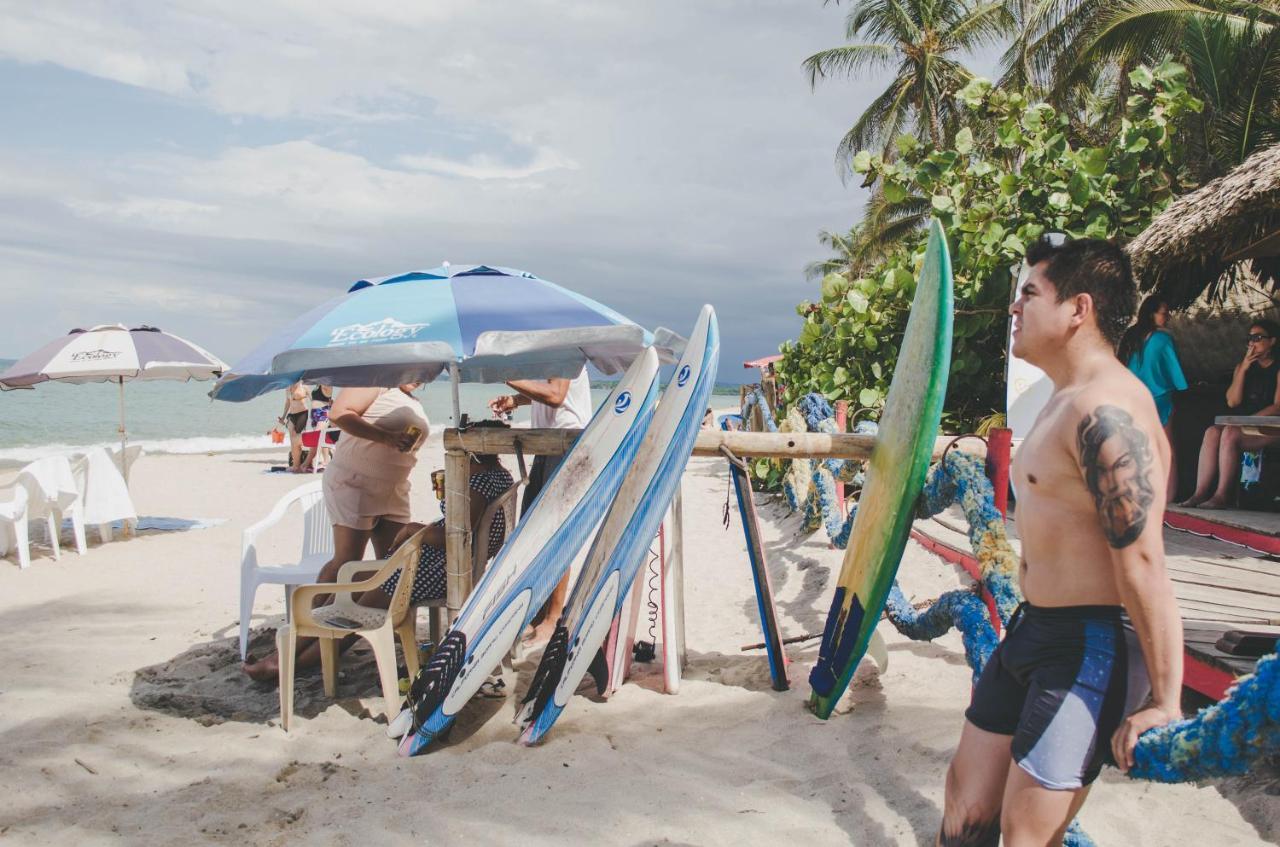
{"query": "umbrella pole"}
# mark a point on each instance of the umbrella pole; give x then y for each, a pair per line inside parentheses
(124, 437)
(454, 379)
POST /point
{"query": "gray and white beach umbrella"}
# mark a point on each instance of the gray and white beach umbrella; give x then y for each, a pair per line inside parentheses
(113, 353)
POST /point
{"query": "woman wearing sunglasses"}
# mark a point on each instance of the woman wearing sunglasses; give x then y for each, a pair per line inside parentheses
(1254, 390)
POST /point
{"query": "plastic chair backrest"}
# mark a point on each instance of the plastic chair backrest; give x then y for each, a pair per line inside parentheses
(80, 470)
(36, 475)
(507, 502)
(125, 461)
(317, 529)
(406, 558)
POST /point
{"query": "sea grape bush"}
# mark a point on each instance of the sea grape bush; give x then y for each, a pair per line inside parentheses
(1010, 175)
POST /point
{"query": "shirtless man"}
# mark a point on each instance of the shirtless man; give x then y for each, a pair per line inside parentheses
(1067, 689)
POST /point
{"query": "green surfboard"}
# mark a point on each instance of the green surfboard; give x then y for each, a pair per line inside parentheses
(895, 477)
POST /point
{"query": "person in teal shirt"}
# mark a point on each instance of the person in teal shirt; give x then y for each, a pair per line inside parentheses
(1148, 350)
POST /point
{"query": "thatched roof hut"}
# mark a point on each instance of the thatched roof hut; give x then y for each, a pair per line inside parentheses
(1199, 242)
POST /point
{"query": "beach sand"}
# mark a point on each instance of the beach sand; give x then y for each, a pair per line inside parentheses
(124, 717)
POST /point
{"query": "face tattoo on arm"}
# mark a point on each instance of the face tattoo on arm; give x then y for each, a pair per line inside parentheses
(1116, 459)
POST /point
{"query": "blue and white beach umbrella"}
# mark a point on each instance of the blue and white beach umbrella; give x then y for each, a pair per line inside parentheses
(113, 353)
(482, 323)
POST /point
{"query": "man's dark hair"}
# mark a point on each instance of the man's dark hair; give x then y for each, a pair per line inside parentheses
(1094, 267)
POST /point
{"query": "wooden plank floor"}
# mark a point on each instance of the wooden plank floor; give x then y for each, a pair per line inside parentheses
(1219, 586)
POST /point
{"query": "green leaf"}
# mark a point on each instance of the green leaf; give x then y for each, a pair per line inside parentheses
(876, 370)
(1141, 77)
(1093, 161)
(868, 397)
(907, 144)
(857, 301)
(832, 285)
(894, 193)
(841, 375)
(1078, 188)
(964, 141)
(862, 162)
(1008, 185)
(1060, 200)
(942, 202)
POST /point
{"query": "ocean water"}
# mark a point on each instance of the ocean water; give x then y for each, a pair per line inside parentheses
(179, 417)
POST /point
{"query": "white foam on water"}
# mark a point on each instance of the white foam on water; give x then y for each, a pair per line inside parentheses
(13, 456)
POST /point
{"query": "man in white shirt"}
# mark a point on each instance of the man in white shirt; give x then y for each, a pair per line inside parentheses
(556, 404)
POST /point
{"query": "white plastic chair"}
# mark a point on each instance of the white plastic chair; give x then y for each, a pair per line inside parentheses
(316, 550)
(13, 525)
(52, 495)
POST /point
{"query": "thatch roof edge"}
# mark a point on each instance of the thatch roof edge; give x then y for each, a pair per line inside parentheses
(1183, 249)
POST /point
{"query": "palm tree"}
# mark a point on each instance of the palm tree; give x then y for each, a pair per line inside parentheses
(920, 41)
(1085, 48)
(883, 226)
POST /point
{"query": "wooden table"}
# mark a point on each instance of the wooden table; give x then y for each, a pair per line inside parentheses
(1251, 424)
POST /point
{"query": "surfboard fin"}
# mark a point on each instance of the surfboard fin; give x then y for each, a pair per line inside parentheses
(599, 670)
(546, 677)
(434, 680)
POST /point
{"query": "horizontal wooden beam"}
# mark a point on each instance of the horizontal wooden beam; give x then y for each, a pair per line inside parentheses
(755, 445)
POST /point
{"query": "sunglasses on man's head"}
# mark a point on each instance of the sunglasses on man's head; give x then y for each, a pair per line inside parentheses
(1253, 336)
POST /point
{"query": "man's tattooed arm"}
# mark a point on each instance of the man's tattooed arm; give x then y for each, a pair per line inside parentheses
(1116, 458)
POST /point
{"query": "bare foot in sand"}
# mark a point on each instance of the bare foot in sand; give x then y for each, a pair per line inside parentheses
(264, 670)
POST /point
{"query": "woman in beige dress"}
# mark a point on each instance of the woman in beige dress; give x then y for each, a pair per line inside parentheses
(366, 484)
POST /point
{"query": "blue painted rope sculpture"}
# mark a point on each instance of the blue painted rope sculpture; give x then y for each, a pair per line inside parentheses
(755, 397)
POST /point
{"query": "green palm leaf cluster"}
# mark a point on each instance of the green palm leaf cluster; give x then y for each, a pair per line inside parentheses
(1077, 55)
(1079, 52)
(922, 41)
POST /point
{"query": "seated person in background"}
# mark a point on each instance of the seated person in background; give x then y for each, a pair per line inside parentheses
(488, 480)
(1148, 350)
(1254, 390)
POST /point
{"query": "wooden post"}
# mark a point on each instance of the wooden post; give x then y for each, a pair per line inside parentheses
(677, 566)
(769, 387)
(999, 445)
(457, 529)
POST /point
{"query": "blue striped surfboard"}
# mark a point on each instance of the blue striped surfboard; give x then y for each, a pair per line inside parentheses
(537, 554)
(623, 541)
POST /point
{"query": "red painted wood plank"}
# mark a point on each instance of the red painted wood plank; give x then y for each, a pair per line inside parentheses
(965, 560)
(1208, 680)
(1256, 540)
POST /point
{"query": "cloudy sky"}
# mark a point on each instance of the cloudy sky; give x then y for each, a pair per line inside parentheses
(214, 168)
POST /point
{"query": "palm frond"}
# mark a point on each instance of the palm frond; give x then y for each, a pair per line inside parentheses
(847, 61)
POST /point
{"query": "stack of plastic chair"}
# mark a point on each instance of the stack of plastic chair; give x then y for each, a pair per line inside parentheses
(52, 495)
(104, 495)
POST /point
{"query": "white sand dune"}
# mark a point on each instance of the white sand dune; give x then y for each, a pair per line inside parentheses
(124, 718)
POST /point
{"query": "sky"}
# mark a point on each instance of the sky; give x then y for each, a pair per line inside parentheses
(213, 169)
